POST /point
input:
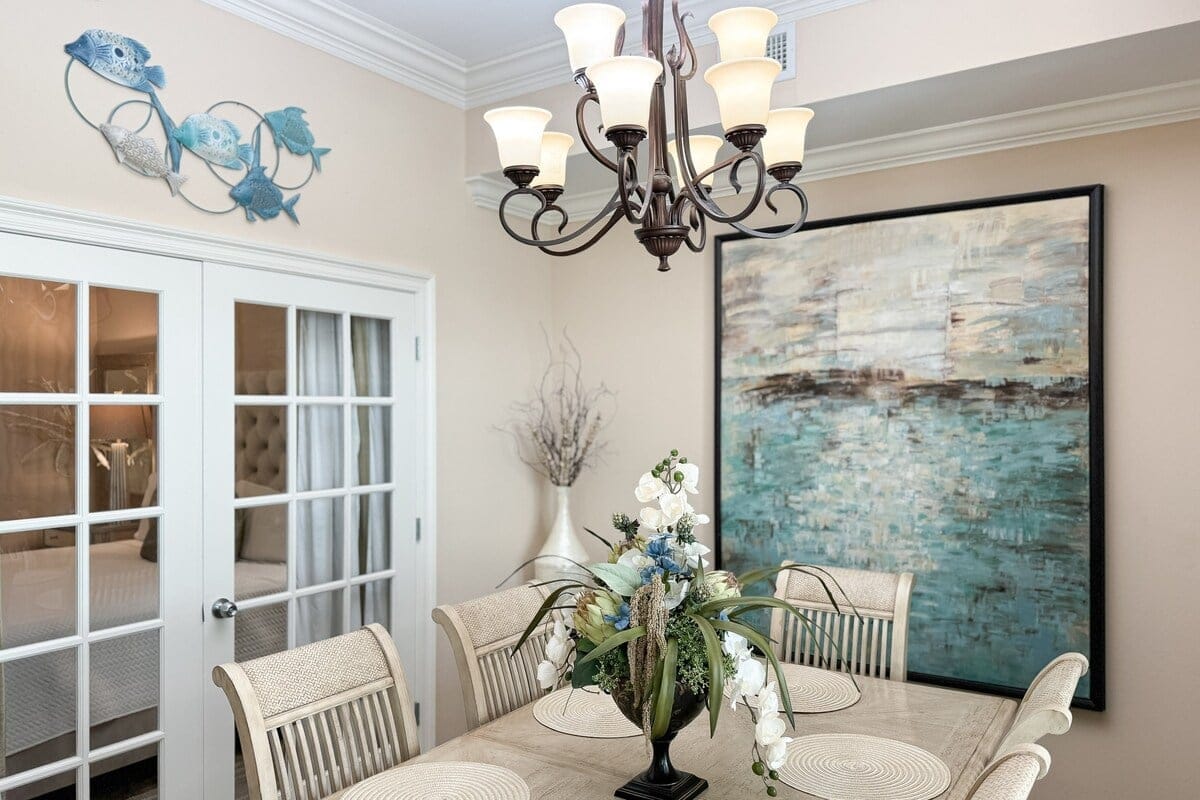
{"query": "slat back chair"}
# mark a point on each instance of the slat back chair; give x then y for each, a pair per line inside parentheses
(1012, 775)
(1046, 707)
(319, 718)
(876, 645)
(482, 633)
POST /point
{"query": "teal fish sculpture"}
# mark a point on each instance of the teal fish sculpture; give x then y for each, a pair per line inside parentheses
(291, 130)
(123, 60)
(215, 140)
(259, 196)
(141, 155)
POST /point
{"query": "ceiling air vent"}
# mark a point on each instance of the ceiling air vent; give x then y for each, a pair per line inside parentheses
(781, 46)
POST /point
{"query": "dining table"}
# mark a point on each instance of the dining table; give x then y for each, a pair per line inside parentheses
(961, 728)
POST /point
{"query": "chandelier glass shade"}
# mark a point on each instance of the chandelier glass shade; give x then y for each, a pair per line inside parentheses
(664, 186)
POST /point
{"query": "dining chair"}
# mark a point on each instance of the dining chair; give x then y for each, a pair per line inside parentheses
(482, 633)
(1012, 775)
(317, 719)
(1046, 707)
(873, 642)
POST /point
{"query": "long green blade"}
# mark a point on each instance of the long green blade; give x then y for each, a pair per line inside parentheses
(546, 607)
(614, 641)
(665, 701)
(716, 670)
(758, 640)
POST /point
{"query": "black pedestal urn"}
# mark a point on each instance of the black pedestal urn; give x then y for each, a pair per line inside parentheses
(662, 781)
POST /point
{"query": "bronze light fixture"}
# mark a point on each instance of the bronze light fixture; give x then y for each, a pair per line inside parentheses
(671, 201)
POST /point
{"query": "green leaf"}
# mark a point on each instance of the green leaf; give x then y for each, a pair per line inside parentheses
(612, 642)
(765, 573)
(584, 675)
(621, 578)
(716, 670)
(762, 643)
(665, 701)
(603, 541)
(545, 609)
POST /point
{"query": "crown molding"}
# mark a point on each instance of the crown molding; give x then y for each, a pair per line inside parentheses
(349, 34)
(544, 65)
(1159, 105)
(363, 40)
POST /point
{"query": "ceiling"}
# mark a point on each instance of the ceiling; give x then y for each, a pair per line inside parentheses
(466, 52)
(474, 31)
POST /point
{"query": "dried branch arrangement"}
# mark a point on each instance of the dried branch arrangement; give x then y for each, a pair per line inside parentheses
(558, 431)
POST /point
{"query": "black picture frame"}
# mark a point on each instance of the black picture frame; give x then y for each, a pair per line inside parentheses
(1097, 698)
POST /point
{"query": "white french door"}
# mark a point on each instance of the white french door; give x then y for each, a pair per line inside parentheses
(313, 462)
(100, 641)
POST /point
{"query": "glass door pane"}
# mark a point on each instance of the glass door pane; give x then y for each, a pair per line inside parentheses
(312, 466)
(87, 585)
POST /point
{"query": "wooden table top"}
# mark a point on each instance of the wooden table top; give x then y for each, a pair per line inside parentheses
(961, 728)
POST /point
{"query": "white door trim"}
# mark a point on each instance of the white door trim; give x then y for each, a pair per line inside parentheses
(65, 224)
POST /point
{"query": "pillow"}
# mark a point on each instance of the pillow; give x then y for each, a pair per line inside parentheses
(149, 549)
(264, 532)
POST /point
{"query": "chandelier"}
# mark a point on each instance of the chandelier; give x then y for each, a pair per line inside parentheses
(669, 203)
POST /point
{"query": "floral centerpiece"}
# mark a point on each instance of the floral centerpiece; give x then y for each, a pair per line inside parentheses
(664, 635)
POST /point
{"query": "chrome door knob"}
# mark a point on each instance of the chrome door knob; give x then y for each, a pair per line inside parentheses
(224, 609)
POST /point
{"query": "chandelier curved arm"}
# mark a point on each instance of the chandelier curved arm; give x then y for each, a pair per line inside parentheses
(544, 206)
(700, 198)
(790, 229)
(628, 187)
(550, 207)
(698, 225)
(617, 216)
(685, 51)
(588, 144)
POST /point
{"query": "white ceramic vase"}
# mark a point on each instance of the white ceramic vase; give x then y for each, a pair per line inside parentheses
(562, 546)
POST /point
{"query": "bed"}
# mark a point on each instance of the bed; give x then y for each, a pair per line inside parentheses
(39, 696)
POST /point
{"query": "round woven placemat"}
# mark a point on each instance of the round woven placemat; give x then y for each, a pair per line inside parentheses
(816, 691)
(847, 766)
(583, 712)
(442, 780)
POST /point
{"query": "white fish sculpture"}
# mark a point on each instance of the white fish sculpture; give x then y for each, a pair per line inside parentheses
(141, 155)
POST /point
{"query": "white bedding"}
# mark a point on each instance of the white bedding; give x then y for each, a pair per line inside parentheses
(35, 588)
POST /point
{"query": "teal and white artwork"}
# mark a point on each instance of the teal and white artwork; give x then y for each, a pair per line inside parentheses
(920, 391)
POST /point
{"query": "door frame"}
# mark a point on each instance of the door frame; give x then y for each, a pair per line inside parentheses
(56, 222)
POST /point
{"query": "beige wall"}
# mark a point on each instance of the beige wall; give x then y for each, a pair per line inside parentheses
(378, 202)
(650, 336)
(392, 193)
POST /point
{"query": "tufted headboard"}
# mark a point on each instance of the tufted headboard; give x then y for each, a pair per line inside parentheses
(260, 438)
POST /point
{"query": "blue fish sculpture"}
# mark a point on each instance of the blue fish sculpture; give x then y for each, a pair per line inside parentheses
(292, 131)
(215, 140)
(259, 195)
(123, 60)
(120, 59)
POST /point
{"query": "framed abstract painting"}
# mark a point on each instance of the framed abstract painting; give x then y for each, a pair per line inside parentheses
(921, 391)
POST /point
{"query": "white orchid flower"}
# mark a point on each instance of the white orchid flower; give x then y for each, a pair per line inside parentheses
(768, 700)
(748, 680)
(736, 647)
(677, 591)
(776, 752)
(547, 674)
(558, 647)
(691, 477)
(693, 553)
(700, 519)
(674, 506)
(653, 518)
(649, 488)
(635, 559)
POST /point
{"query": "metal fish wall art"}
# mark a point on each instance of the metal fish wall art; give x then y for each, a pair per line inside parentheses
(210, 137)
